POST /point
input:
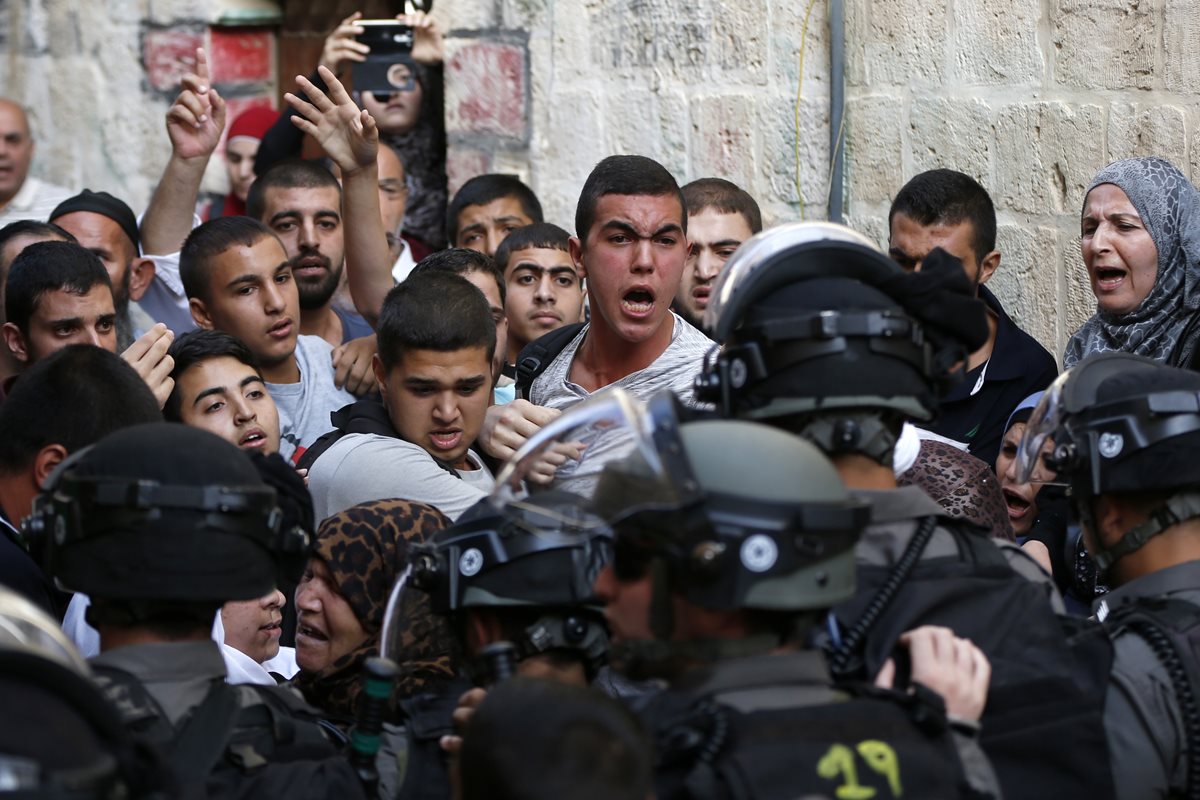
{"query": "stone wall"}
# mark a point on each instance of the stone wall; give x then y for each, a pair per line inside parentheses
(1029, 96)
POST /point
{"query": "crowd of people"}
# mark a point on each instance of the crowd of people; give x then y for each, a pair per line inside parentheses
(353, 489)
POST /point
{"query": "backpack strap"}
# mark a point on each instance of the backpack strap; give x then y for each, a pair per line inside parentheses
(193, 749)
(536, 356)
(205, 734)
(362, 416)
(846, 659)
(1160, 622)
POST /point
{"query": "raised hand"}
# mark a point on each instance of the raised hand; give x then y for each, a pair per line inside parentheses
(341, 46)
(148, 356)
(196, 119)
(346, 133)
(429, 47)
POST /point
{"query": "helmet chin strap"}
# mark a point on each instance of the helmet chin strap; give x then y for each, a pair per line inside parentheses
(1180, 507)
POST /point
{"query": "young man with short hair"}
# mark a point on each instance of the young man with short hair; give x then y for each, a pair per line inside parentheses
(57, 294)
(947, 209)
(238, 279)
(219, 387)
(630, 247)
(15, 237)
(543, 289)
(721, 215)
(487, 208)
(481, 271)
(436, 340)
(61, 405)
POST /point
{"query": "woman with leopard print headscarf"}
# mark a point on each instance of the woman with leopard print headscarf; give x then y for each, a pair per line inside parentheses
(1140, 239)
(340, 602)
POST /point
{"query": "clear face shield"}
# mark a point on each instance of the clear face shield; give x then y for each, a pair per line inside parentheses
(571, 452)
(1044, 423)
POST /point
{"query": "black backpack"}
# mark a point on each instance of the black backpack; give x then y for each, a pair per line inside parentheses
(1047, 685)
(227, 749)
(1171, 627)
(874, 744)
(537, 355)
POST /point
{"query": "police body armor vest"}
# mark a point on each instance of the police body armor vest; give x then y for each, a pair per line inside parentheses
(224, 749)
(875, 744)
(1046, 686)
(1171, 627)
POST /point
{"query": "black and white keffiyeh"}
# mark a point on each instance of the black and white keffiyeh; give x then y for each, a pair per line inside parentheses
(1169, 206)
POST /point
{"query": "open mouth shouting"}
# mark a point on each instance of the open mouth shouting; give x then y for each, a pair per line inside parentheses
(638, 303)
(445, 439)
(1109, 279)
(1018, 506)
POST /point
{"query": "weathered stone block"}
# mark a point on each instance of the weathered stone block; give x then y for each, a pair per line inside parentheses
(780, 166)
(1181, 57)
(996, 42)
(709, 41)
(1104, 44)
(906, 42)
(1147, 130)
(874, 148)
(951, 133)
(723, 141)
(565, 151)
(464, 163)
(486, 90)
(241, 55)
(1046, 154)
(169, 54)
(1027, 280)
(1079, 300)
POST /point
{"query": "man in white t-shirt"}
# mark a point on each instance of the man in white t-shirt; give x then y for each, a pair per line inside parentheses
(22, 196)
(630, 246)
(238, 280)
(434, 369)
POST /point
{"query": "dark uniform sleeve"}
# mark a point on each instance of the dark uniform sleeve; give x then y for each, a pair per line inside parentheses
(19, 572)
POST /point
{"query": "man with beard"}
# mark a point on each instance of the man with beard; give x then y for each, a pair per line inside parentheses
(301, 202)
(107, 227)
(947, 209)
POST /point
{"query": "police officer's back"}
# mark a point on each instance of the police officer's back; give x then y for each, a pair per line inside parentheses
(825, 337)
(1126, 435)
(161, 525)
(732, 539)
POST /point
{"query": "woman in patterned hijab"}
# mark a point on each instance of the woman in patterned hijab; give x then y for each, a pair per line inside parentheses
(340, 602)
(1140, 237)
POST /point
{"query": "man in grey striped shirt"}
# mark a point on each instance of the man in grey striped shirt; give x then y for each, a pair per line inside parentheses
(631, 247)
